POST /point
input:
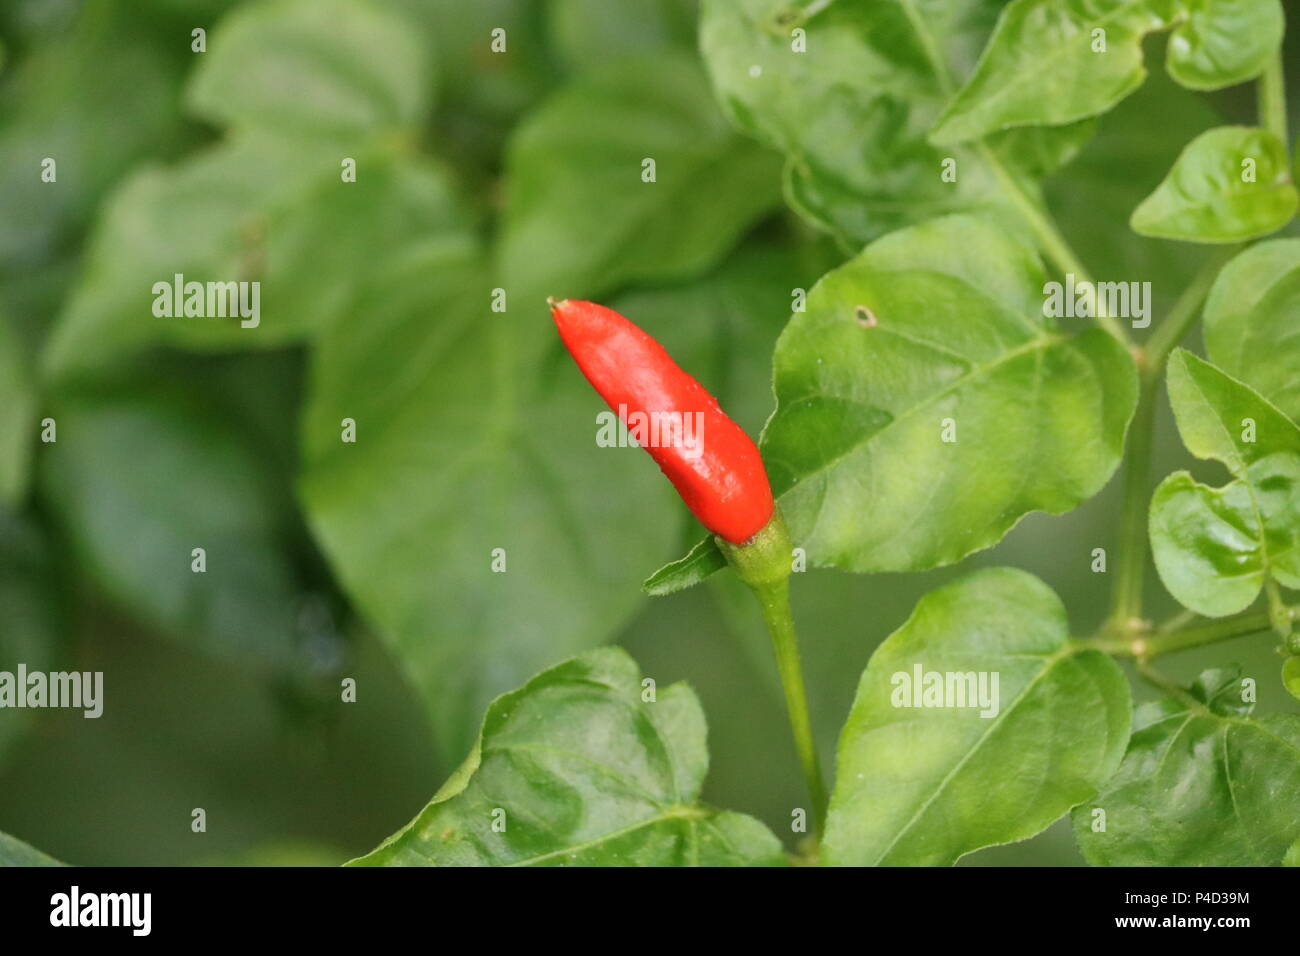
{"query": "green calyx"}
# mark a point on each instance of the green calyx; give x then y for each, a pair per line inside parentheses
(765, 559)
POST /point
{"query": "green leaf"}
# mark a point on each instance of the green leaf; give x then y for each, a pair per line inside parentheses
(576, 769)
(1215, 548)
(701, 562)
(1221, 43)
(18, 423)
(273, 211)
(1252, 321)
(1211, 409)
(851, 114)
(1040, 66)
(934, 328)
(1045, 64)
(14, 852)
(138, 480)
(580, 221)
(1229, 184)
(340, 67)
(1292, 857)
(1291, 676)
(925, 785)
(463, 446)
(1202, 784)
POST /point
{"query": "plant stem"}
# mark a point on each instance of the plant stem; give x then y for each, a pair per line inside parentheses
(1053, 243)
(1272, 99)
(1185, 311)
(774, 598)
(1126, 598)
(1279, 614)
(1181, 639)
(1163, 683)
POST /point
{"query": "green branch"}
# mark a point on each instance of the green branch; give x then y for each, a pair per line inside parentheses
(1185, 311)
(1054, 245)
(1272, 99)
(1209, 631)
(1126, 599)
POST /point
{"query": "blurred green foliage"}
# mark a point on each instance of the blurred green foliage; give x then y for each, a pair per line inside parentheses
(476, 170)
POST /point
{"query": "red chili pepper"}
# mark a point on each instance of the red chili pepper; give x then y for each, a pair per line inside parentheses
(721, 479)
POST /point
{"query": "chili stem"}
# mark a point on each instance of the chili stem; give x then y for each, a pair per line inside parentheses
(774, 599)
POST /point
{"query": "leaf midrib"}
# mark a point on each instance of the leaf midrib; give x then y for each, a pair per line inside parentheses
(1049, 663)
(689, 813)
(1042, 341)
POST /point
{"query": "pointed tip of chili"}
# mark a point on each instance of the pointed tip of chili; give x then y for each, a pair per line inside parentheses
(712, 463)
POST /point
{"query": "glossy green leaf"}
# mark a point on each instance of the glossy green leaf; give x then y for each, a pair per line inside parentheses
(701, 562)
(1291, 676)
(937, 333)
(851, 114)
(1292, 857)
(1229, 184)
(1203, 784)
(1212, 410)
(18, 422)
(138, 479)
(1040, 66)
(465, 446)
(340, 67)
(1220, 43)
(14, 852)
(1252, 321)
(926, 784)
(579, 218)
(1216, 547)
(1051, 62)
(577, 769)
(273, 211)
